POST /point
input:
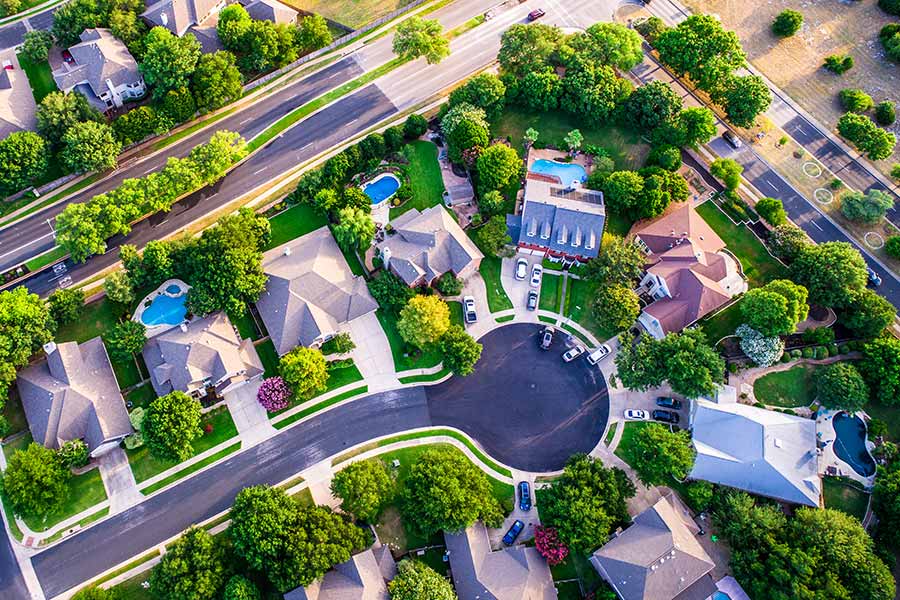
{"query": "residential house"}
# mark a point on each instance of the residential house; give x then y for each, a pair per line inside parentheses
(425, 245)
(201, 354)
(179, 15)
(363, 577)
(311, 292)
(17, 105)
(74, 395)
(658, 557)
(514, 573)
(102, 69)
(763, 452)
(270, 10)
(689, 274)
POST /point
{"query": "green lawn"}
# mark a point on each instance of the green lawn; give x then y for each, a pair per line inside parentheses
(49, 257)
(845, 498)
(246, 326)
(144, 466)
(141, 396)
(96, 318)
(14, 413)
(579, 301)
(722, 324)
(133, 588)
(626, 450)
(39, 76)
(127, 372)
(551, 290)
(269, 357)
(496, 295)
(193, 468)
(794, 387)
(424, 177)
(610, 434)
(759, 266)
(406, 357)
(85, 491)
(338, 378)
(352, 13)
(352, 261)
(888, 414)
(294, 222)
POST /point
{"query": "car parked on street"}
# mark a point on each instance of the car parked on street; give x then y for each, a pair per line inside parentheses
(521, 269)
(733, 140)
(635, 414)
(536, 14)
(667, 402)
(874, 278)
(524, 496)
(573, 353)
(666, 416)
(532, 300)
(469, 309)
(513, 532)
(599, 354)
(536, 272)
(546, 338)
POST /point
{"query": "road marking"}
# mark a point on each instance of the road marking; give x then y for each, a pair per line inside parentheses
(774, 187)
(150, 170)
(816, 225)
(306, 146)
(352, 122)
(247, 120)
(51, 234)
(260, 170)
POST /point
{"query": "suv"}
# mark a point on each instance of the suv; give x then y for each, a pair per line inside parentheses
(546, 338)
(598, 354)
(524, 496)
(666, 402)
(666, 416)
(469, 306)
(513, 532)
(532, 300)
(874, 278)
(733, 140)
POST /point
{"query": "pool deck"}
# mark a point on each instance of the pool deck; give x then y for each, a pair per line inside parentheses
(154, 330)
(556, 155)
(828, 458)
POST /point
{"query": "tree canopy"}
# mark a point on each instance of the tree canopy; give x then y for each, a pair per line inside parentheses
(830, 271)
(417, 581)
(169, 61)
(423, 320)
(498, 166)
(90, 146)
(619, 262)
(23, 160)
(417, 37)
(610, 44)
(880, 366)
(651, 105)
(25, 325)
(776, 308)
(171, 423)
(305, 371)
(364, 488)
(194, 567)
(840, 386)
(216, 81)
(616, 307)
(664, 454)
(459, 350)
(35, 481)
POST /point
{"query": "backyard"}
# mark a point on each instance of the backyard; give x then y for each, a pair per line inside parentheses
(352, 13)
(845, 497)
(788, 389)
(722, 323)
(290, 224)
(39, 76)
(425, 179)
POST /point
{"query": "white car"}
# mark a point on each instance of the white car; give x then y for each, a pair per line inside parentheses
(521, 269)
(599, 354)
(536, 272)
(633, 414)
(469, 309)
(573, 353)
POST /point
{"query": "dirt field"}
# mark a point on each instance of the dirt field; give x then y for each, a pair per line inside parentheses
(795, 64)
(352, 13)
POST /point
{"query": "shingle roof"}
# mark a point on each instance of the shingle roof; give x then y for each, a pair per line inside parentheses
(363, 577)
(679, 222)
(562, 219)
(761, 451)
(74, 395)
(271, 10)
(179, 14)
(516, 573)
(310, 291)
(657, 557)
(17, 106)
(99, 58)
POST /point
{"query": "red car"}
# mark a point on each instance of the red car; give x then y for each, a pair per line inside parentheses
(536, 14)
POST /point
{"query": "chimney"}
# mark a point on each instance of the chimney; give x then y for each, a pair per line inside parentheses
(50, 347)
(386, 257)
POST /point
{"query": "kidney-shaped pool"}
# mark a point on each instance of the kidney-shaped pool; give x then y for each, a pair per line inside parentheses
(850, 443)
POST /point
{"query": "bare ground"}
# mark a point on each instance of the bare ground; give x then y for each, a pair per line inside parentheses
(352, 13)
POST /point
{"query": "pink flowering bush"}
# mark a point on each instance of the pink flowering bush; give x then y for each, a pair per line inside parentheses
(274, 394)
(547, 542)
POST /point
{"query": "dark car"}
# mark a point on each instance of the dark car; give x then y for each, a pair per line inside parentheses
(532, 300)
(666, 416)
(513, 532)
(546, 338)
(536, 14)
(874, 278)
(524, 496)
(733, 140)
(667, 402)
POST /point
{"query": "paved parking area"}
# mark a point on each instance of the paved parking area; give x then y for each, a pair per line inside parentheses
(518, 290)
(623, 400)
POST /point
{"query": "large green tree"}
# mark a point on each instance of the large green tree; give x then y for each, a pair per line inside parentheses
(266, 45)
(364, 487)
(194, 567)
(465, 127)
(355, 228)
(58, 112)
(866, 208)
(880, 367)
(125, 339)
(616, 307)
(867, 313)
(830, 271)
(592, 92)
(776, 308)
(241, 588)
(169, 61)
(728, 170)
(417, 581)
(526, 48)
(23, 160)
(25, 325)
(459, 350)
(492, 236)
(72, 18)
(610, 44)
(498, 166)
(417, 37)
(692, 127)
(787, 241)
(840, 386)
(66, 304)
(664, 455)
(868, 137)
(305, 371)
(651, 105)
(745, 97)
(485, 91)
(312, 33)
(171, 423)
(423, 320)
(35, 481)
(702, 49)
(90, 146)
(619, 262)
(886, 503)
(216, 81)
(36, 45)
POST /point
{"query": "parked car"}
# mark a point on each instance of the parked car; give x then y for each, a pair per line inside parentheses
(521, 269)
(666, 416)
(513, 532)
(667, 402)
(536, 14)
(635, 414)
(532, 300)
(573, 353)
(469, 306)
(733, 140)
(874, 278)
(599, 354)
(546, 338)
(524, 496)
(536, 272)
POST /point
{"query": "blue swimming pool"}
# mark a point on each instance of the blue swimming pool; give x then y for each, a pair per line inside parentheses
(850, 443)
(165, 310)
(567, 173)
(719, 595)
(382, 188)
(172, 289)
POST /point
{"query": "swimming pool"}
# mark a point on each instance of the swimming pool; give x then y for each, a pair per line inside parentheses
(850, 443)
(165, 310)
(567, 173)
(720, 595)
(173, 289)
(382, 187)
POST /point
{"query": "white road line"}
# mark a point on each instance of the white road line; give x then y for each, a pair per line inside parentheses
(774, 187)
(260, 171)
(306, 146)
(37, 239)
(247, 120)
(150, 170)
(816, 225)
(352, 122)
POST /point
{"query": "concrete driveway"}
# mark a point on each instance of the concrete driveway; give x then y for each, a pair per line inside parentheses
(518, 290)
(372, 354)
(620, 401)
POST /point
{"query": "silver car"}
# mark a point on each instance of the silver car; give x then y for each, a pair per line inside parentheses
(521, 269)
(532, 300)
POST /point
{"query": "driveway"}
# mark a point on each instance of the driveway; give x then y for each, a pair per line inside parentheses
(518, 290)
(524, 405)
(372, 354)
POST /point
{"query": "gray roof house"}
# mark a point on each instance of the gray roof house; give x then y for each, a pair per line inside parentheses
(270, 10)
(73, 394)
(363, 577)
(515, 573)
(760, 451)
(658, 557)
(203, 353)
(559, 221)
(17, 106)
(427, 244)
(102, 69)
(179, 15)
(311, 292)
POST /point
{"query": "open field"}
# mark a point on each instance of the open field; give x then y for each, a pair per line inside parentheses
(352, 13)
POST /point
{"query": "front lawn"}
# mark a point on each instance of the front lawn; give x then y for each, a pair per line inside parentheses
(626, 449)
(425, 179)
(551, 290)
(844, 497)
(39, 76)
(96, 318)
(268, 355)
(405, 356)
(496, 295)
(579, 307)
(85, 491)
(294, 222)
(788, 389)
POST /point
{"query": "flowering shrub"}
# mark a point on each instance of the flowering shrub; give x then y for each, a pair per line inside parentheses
(762, 350)
(274, 394)
(547, 542)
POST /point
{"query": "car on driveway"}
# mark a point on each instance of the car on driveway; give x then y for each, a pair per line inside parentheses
(666, 402)
(521, 269)
(546, 338)
(524, 496)
(666, 416)
(635, 414)
(513, 532)
(469, 307)
(532, 300)
(536, 14)
(573, 353)
(599, 354)
(536, 272)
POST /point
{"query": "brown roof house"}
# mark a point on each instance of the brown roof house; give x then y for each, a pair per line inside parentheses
(363, 577)
(658, 557)
(270, 10)
(515, 573)
(425, 245)
(72, 395)
(204, 353)
(17, 106)
(311, 292)
(689, 274)
(179, 15)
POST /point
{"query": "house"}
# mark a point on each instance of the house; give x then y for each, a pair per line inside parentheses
(558, 221)
(17, 106)
(270, 10)
(74, 395)
(427, 244)
(515, 573)
(310, 293)
(363, 577)
(102, 69)
(658, 557)
(688, 275)
(763, 452)
(201, 354)
(179, 15)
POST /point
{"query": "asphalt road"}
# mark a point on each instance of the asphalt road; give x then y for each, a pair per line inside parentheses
(12, 586)
(13, 34)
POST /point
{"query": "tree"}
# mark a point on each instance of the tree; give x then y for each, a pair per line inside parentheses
(233, 23)
(394, 138)
(492, 236)
(137, 124)
(622, 191)
(355, 228)
(178, 106)
(772, 210)
(890, 40)
(526, 48)
(651, 105)
(415, 126)
(465, 127)
(57, 112)
(171, 423)
(498, 166)
(829, 271)
(787, 23)
(885, 113)
(692, 127)
(788, 241)
(241, 588)
(610, 44)
(415, 581)
(390, 292)
(880, 367)
(839, 386)
(586, 503)
(194, 567)
(460, 351)
(36, 45)
(424, 320)
(700, 48)
(117, 286)
(125, 339)
(169, 61)
(886, 502)
(313, 33)
(485, 91)
(417, 37)
(216, 80)
(26, 325)
(90, 146)
(863, 133)
(35, 481)
(23, 160)
(660, 189)
(492, 203)
(9, 7)
(892, 246)
(364, 487)
(73, 454)
(776, 308)
(616, 307)
(274, 394)
(444, 491)
(305, 371)
(573, 140)
(665, 156)
(866, 208)
(66, 304)
(619, 262)
(127, 26)
(867, 313)
(664, 455)
(593, 92)
(856, 100)
(71, 19)
(266, 45)
(548, 544)
(728, 170)
(838, 63)
(892, 7)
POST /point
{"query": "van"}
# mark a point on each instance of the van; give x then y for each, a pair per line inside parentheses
(599, 354)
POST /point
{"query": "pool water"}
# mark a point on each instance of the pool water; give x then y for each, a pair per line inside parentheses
(567, 173)
(720, 596)
(850, 443)
(172, 289)
(165, 310)
(382, 188)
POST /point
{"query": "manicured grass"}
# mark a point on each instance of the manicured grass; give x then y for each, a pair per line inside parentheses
(425, 378)
(128, 566)
(20, 443)
(352, 261)
(617, 224)
(794, 387)
(246, 326)
(39, 76)
(133, 589)
(191, 469)
(425, 179)
(320, 406)
(496, 295)
(844, 498)
(610, 434)
(338, 378)
(723, 323)
(144, 466)
(14, 413)
(626, 449)
(39, 262)
(85, 491)
(294, 222)
(505, 319)
(269, 357)
(141, 396)
(579, 301)
(96, 318)
(8, 207)
(888, 414)
(759, 266)
(551, 290)
(304, 497)
(127, 372)
(405, 358)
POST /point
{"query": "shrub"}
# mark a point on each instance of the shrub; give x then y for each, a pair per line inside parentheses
(818, 335)
(863, 133)
(548, 545)
(274, 394)
(762, 350)
(772, 210)
(807, 353)
(892, 7)
(833, 350)
(877, 427)
(856, 100)
(839, 63)
(785, 358)
(835, 184)
(699, 495)
(339, 344)
(890, 39)
(796, 354)
(787, 23)
(821, 352)
(667, 157)
(885, 113)
(449, 284)
(895, 171)
(415, 126)
(843, 349)
(73, 454)
(892, 246)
